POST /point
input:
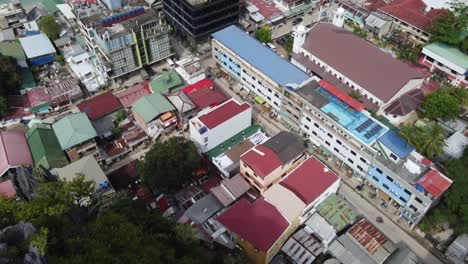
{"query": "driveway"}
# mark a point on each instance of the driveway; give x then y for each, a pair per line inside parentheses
(389, 228)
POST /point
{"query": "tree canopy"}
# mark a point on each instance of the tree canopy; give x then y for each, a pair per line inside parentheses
(263, 34)
(453, 208)
(450, 27)
(50, 27)
(10, 75)
(442, 104)
(3, 106)
(429, 141)
(170, 164)
(125, 231)
(288, 45)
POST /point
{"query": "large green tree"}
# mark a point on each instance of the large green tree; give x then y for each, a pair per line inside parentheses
(288, 45)
(50, 27)
(123, 232)
(10, 75)
(430, 141)
(3, 106)
(170, 164)
(441, 104)
(450, 27)
(263, 34)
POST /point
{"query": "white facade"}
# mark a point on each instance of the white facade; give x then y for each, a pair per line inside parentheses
(455, 73)
(207, 138)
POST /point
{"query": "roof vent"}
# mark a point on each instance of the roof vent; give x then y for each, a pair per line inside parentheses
(258, 152)
(325, 169)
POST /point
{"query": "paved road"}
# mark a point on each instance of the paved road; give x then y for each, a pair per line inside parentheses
(389, 228)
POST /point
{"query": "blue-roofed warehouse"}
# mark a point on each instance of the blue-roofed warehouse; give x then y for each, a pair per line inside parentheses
(257, 67)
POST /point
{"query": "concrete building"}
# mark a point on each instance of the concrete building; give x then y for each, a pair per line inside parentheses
(12, 15)
(191, 70)
(457, 252)
(76, 134)
(332, 53)
(447, 60)
(211, 128)
(414, 17)
(196, 19)
(125, 41)
(154, 114)
(258, 69)
(268, 163)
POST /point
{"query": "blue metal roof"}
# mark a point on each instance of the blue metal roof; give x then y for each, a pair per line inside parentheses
(261, 57)
(396, 144)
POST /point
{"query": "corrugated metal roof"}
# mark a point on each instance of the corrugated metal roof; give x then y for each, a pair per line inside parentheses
(45, 148)
(396, 144)
(151, 106)
(264, 59)
(37, 45)
(450, 53)
(14, 150)
(286, 145)
(73, 129)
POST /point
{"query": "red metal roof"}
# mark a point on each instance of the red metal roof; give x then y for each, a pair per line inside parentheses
(124, 176)
(14, 150)
(341, 95)
(412, 12)
(434, 183)
(267, 9)
(260, 223)
(204, 94)
(7, 189)
(100, 106)
(309, 180)
(223, 113)
(132, 94)
(264, 164)
(368, 236)
(38, 96)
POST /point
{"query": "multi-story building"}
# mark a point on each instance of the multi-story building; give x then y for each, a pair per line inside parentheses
(214, 126)
(414, 17)
(380, 80)
(340, 125)
(12, 15)
(447, 60)
(126, 41)
(267, 163)
(257, 68)
(196, 19)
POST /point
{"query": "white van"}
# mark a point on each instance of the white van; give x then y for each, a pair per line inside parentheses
(271, 46)
(170, 62)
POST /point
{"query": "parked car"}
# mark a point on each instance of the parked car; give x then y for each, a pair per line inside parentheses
(297, 21)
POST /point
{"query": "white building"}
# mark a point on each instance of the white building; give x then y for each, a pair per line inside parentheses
(447, 59)
(214, 126)
(191, 70)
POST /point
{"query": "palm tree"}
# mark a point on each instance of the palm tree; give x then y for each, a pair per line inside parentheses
(433, 141)
(411, 134)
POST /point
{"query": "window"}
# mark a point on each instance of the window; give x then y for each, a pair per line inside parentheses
(206, 140)
(403, 199)
(268, 88)
(375, 179)
(389, 179)
(315, 133)
(308, 119)
(244, 70)
(352, 152)
(216, 48)
(393, 156)
(363, 160)
(328, 143)
(385, 186)
(259, 82)
(350, 161)
(360, 168)
(379, 170)
(407, 192)
(329, 135)
(277, 95)
(276, 103)
(306, 127)
(269, 98)
(336, 150)
(253, 78)
(316, 125)
(418, 200)
(339, 142)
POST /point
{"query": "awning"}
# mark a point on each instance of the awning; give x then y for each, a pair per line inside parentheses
(259, 100)
(341, 95)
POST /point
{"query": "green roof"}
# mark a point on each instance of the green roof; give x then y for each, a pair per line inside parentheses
(233, 141)
(79, 38)
(167, 82)
(12, 49)
(151, 106)
(451, 53)
(27, 79)
(337, 212)
(45, 148)
(73, 129)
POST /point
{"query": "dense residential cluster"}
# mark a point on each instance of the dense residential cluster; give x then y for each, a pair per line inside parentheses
(260, 131)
